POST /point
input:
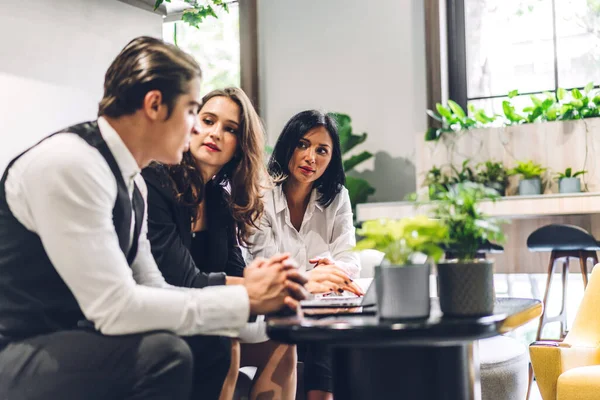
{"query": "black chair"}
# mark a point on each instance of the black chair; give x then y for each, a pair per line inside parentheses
(564, 242)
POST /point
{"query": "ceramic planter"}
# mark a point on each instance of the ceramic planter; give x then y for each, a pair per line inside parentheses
(569, 185)
(466, 289)
(402, 291)
(530, 187)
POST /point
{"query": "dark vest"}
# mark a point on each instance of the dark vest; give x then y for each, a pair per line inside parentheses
(33, 298)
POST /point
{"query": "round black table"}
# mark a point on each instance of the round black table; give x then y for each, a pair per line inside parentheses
(427, 359)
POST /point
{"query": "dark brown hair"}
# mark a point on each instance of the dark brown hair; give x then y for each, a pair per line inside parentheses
(331, 182)
(146, 64)
(245, 174)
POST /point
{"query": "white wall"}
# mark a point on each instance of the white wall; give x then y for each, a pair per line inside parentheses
(52, 62)
(363, 58)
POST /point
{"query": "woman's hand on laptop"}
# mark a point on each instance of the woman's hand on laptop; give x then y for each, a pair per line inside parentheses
(325, 277)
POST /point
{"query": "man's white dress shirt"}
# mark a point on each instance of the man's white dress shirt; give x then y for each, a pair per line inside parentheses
(64, 191)
(325, 232)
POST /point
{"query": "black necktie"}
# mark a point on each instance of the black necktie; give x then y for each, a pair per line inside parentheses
(138, 210)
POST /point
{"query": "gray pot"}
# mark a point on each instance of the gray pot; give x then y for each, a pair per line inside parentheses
(402, 291)
(530, 187)
(466, 289)
(569, 185)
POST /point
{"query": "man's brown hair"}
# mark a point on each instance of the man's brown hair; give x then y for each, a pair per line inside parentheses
(146, 64)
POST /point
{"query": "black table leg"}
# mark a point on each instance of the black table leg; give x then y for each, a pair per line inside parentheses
(406, 373)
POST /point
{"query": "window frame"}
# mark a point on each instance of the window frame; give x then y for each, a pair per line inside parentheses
(457, 55)
(248, 18)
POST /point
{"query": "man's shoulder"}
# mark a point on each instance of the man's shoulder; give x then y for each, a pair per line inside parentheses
(63, 153)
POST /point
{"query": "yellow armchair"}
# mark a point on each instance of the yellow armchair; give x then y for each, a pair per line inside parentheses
(570, 370)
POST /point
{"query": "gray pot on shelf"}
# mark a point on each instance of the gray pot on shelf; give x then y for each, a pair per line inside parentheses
(569, 185)
(402, 291)
(466, 289)
(530, 187)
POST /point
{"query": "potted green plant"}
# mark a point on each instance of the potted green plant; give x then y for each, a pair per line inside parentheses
(436, 181)
(568, 181)
(402, 280)
(493, 175)
(466, 283)
(465, 174)
(531, 177)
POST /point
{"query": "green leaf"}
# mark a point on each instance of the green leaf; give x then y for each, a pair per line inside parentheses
(342, 120)
(576, 94)
(577, 103)
(537, 112)
(568, 172)
(352, 141)
(528, 109)
(507, 108)
(551, 114)
(561, 93)
(157, 4)
(433, 115)
(589, 87)
(596, 100)
(456, 109)
(482, 117)
(353, 161)
(358, 190)
(344, 124)
(513, 93)
(432, 134)
(549, 102)
(536, 101)
(509, 112)
(444, 112)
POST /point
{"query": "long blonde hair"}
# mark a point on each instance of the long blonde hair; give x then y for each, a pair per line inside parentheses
(245, 174)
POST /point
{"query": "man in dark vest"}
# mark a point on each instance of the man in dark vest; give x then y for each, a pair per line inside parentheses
(84, 310)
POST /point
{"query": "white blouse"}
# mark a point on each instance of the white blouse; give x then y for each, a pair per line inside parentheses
(325, 232)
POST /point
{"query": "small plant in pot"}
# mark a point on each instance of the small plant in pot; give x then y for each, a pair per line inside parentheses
(531, 177)
(402, 280)
(568, 181)
(466, 283)
(493, 175)
(465, 174)
(436, 181)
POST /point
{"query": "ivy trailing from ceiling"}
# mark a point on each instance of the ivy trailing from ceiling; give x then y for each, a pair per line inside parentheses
(198, 12)
(560, 106)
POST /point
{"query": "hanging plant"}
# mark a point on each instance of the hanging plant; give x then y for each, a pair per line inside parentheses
(198, 12)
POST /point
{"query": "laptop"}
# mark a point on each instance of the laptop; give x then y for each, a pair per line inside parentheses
(368, 300)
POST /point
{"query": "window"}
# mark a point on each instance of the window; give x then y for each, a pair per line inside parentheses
(533, 46)
(215, 45)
